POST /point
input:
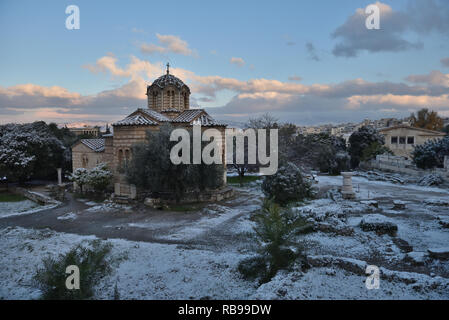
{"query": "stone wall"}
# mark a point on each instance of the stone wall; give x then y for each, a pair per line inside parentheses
(80, 152)
(401, 165)
(205, 196)
(35, 196)
(124, 138)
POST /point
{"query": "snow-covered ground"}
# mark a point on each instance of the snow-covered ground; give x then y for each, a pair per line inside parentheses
(195, 255)
(9, 209)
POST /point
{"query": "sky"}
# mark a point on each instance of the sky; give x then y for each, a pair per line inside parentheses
(305, 62)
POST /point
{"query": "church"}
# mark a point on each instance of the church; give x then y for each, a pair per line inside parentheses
(168, 99)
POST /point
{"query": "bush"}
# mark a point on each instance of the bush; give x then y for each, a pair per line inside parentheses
(432, 179)
(431, 154)
(92, 263)
(274, 229)
(254, 267)
(287, 185)
(97, 178)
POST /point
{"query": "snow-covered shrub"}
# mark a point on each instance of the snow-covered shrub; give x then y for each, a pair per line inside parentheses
(432, 179)
(92, 261)
(274, 229)
(287, 185)
(80, 177)
(97, 178)
(431, 153)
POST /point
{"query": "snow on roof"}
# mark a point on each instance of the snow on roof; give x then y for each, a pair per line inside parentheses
(170, 110)
(96, 145)
(168, 79)
(197, 116)
(134, 120)
(155, 115)
(188, 115)
(404, 126)
(149, 117)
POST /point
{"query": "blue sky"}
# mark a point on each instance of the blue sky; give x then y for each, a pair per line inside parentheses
(289, 64)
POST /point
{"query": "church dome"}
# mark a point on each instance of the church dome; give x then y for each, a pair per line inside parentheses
(168, 79)
(168, 94)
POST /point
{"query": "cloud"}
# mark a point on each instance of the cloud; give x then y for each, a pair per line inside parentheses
(137, 30)
(312, 51)
(445, 62)
(169, 44)
(426, 16)
(237, 61)
(353, 36)
(294, 78)
(419, 17)
(350, 100)
(434, 78)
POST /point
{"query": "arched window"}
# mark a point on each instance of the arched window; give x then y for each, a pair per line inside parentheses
(85, 160)
(154, 99)
(186, 100)
(120, 157)
(127, 157)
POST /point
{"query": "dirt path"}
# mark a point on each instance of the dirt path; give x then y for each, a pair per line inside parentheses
(142, 224)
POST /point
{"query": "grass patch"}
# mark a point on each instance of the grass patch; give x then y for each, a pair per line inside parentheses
(11, 197)
(246, 179)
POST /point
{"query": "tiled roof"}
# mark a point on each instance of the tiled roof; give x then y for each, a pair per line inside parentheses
(188, 115)
(155, 115)
(148, 117)
(95, 144)
(197, 116)
(135, 120)
(207, 121)
(170, 110)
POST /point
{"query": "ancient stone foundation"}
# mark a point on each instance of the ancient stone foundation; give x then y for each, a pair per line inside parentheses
(193, 197)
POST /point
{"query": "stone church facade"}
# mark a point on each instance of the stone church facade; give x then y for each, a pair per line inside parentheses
(168, 102)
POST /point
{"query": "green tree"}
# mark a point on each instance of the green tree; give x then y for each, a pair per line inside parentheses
(318, 151)
(362, 139)
(151, 168)
(373, 150)
(275, 229)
